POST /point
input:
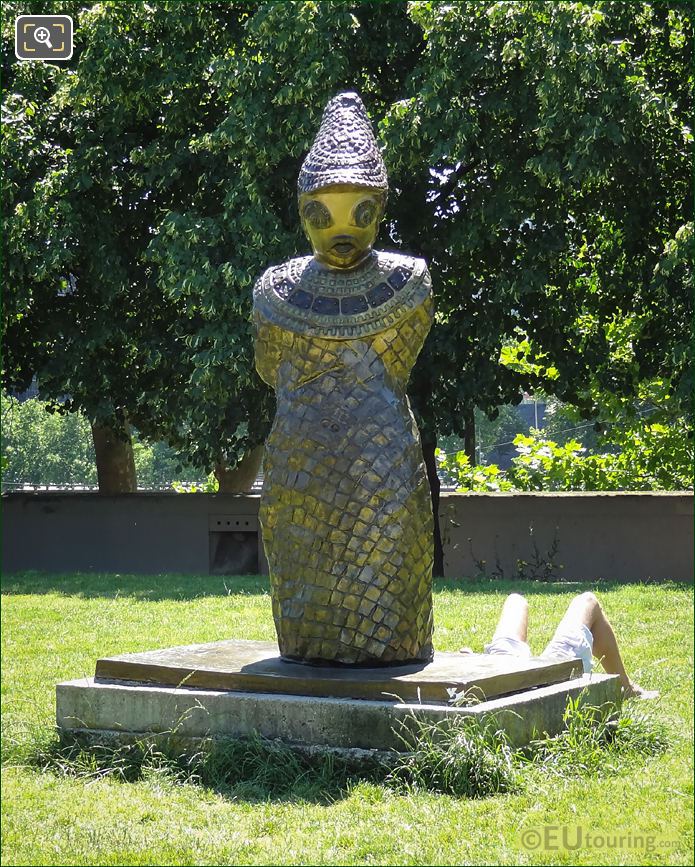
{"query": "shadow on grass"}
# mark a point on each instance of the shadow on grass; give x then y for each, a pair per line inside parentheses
(155, 588)
(145, 588)
(464, 757)
(533, 587)
(254, 769)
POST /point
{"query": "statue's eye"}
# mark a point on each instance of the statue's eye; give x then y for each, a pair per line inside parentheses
(317, 215)
(365, 214)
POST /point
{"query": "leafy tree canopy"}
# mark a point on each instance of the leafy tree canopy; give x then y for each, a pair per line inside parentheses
(539, 158)
(542, 163)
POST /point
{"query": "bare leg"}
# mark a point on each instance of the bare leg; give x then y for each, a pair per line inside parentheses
(586, 609)
(513, 622)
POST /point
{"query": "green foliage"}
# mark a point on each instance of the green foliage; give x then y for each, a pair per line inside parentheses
(562, 422)
(104, 158)
(269, 92)
(44, 447)
(649, 456)
(502, 429)
(157, 465)
(41, 447)
(463, 757)
(599, 740)
(209, 486)
(457, 469)
(541, 162)
(539, 158)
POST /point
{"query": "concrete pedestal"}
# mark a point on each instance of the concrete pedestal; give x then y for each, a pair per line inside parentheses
(233, 689)
(104, 712)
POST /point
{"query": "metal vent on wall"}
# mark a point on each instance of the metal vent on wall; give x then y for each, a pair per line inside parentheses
(233, 541)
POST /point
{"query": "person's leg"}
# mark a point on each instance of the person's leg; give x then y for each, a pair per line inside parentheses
(585, 610)
(513, 622)
(510, 635)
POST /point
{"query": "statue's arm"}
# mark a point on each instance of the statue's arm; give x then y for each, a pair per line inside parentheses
(425, 311)
(267, 348)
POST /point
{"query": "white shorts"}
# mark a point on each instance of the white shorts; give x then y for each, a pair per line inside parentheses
(574, 644)
(508, 646)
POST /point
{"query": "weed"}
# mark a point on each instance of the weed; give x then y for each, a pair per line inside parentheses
(462, 756)
(599, 740)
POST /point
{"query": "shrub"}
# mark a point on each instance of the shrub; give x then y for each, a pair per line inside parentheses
(648, 457)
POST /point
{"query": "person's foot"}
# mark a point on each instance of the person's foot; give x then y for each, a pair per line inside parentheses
(636, 691)
(465, 650)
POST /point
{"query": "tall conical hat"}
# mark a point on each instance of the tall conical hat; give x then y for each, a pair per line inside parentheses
(345, 150)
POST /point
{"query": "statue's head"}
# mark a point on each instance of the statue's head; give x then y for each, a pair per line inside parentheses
(342, 185)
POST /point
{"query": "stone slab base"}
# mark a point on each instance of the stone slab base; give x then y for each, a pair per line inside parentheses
(255, 666)
(102, 712)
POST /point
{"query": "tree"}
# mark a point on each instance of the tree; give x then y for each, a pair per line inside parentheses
(172, 193)
(542, 162)
(43, 227)
(97, 152)
(538, 154)
(242, 214)
(44, 448)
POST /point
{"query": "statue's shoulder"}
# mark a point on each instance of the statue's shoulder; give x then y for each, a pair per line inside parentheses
(411, 268)
(389, 258)
(274, 278)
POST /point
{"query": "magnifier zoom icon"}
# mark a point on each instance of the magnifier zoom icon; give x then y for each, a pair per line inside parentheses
(42, 35)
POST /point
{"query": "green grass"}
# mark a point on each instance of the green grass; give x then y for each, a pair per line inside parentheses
(610, 780)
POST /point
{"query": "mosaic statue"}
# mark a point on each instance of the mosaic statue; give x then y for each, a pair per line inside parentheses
(345, 514)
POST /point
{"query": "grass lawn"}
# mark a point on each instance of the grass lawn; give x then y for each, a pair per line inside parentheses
(54, 628)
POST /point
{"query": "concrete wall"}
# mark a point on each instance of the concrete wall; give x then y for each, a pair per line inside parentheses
(142, 533)
(568, 536)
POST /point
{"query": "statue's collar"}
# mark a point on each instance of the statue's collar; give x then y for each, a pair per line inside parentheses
(368, 265)
(304, 296)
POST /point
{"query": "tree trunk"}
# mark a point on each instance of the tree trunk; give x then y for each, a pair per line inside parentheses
(241, 478)
(114, 459)
(428, 447)
(469, 434)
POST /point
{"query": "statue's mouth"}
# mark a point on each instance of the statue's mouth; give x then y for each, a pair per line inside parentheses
(343, 247)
